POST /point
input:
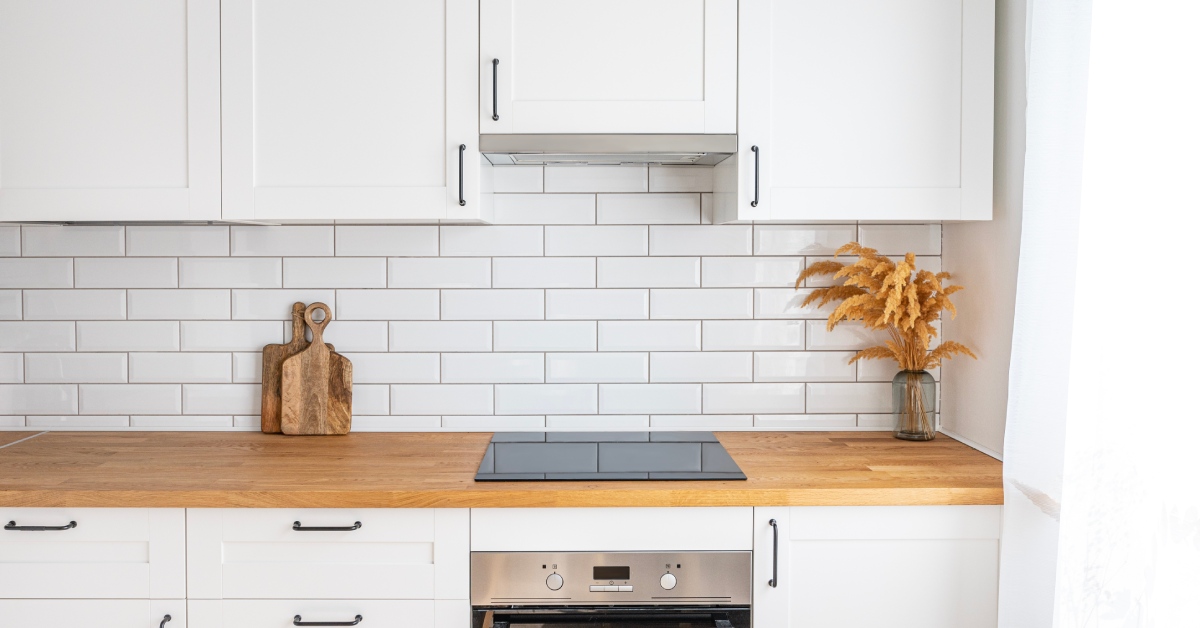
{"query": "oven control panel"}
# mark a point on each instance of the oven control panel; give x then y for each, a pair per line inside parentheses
(574, 578)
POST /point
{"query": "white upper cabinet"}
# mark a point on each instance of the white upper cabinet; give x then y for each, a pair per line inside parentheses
(863, 110)
(350, 110)
(608, 66)
(110, 110)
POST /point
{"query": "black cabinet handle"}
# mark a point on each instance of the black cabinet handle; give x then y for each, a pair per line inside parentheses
(774, 581)
(163, 623)
(495, 98)
(754, 203)
(297, 622)
(299, 528)
(12, 525)
(462, 148)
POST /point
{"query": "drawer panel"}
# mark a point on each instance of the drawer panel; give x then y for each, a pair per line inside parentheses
(386, 554)
(93, 613)
(107, 553)
(374, 613)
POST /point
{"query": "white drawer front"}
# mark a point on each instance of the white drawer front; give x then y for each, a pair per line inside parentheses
(374, 613)
(391, 555)
(108, 553)
(93, 613)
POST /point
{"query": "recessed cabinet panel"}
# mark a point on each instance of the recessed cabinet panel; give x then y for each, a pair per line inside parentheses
(608, 66)
(94, 613)
(366, 613)
(349, 110)
(109, 110)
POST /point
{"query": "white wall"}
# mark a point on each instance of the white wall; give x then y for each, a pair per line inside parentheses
(603, 301)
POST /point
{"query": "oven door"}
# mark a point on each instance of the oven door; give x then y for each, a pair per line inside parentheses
(613, 617)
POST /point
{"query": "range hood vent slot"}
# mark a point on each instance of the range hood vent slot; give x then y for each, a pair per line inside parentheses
(607, 150)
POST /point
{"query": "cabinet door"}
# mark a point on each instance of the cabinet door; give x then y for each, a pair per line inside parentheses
(353, 109)
(608, 66)
(93, 613)
(373, 613)
(109, 110)
(871, 566)
(865, 110)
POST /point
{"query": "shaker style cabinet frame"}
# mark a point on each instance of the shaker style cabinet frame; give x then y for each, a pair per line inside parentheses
(608, 66)
(360, 110)
(862, 110)
(110, 110)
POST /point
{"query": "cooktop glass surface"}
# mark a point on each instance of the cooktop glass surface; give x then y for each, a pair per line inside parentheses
(606, 456)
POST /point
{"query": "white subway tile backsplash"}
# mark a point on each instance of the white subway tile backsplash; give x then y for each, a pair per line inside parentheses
(440, 336)
(717, 303)
(517, 179)
(757, 272)
(787, 303)
(339, 272)
(650, 398)
(130, 399)
(30, 399)
(281, 241)
(75, 368)
(493, 368)
(229, 335)
(642, 209)
(271, 305)
(849, 397)
(753, 335)
(357, 336)
(125, 272)
(599, 179)
(247, 368)
(445, 272)
(12, 421)
(386, 241)
(492, 305)
(546, 399)
(700, 240)
(217, 272)
(471, 241)
(372, 399)
(492, 423)
(582, 368)
(886, 369)
(10, 305)
(10, 241)
(386, 305)
(648, 272)
(597, 304)
(753, 398)
(166, 368)
(598, 422)
(128, 335)
(694, 366)
(801, 239)
(649, 336)
(844, 337)
(702, 422)
(174, 305)
(76, 422)
(596, 241)
(680, 179)
(17, 272)
(12, 370)
(545, 335)
(394, 368)
(544, 272)
(897, 240)
(170, 422)
(803, 366)
(545, 209)
(876, 422)
(805, 421)
(73, 241)
(176, 241)
(441, 399)
(74, 305)
(222, 399)
(395, 423)
(37, 336)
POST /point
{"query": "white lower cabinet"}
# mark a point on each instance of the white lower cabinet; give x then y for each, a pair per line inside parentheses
(875, 566)
(93, 613)
(373, 613)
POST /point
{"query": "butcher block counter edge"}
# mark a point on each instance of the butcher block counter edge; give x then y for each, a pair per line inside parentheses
(436, 470)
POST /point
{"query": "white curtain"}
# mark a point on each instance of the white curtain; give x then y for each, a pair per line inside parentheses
(1102, 477)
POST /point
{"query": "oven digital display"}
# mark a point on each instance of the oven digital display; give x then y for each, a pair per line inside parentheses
(610, 573)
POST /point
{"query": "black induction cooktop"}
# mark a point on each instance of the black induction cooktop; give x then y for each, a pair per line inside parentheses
(518, 456)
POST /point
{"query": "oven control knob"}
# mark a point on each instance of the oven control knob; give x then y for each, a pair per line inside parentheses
(667, 581)
(554, 581)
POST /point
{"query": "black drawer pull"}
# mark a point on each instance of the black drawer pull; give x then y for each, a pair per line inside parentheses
(774, 581)
(296, 622)
(299, 528)
(495, 96)
(163, 623)
(754, 203)
(462, 148)
(12, 525)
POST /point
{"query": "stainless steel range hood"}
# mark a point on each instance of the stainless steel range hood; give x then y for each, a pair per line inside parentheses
(609, 150)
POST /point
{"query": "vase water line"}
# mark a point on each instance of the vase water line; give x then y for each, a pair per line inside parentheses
(913, 399)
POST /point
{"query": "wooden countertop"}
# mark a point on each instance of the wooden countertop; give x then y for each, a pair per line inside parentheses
(379, 470)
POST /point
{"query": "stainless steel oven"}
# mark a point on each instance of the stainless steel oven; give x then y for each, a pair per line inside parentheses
(611, 589)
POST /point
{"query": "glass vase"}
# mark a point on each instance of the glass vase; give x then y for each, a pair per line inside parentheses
(913, 405)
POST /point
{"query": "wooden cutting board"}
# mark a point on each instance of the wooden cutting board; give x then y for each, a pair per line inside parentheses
(272, 370)
(316, 385)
